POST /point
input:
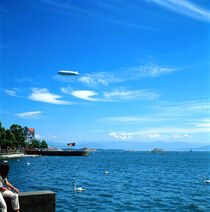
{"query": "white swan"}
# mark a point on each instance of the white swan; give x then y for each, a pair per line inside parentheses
(5, 161)
(28, 163)
(205, 181)
(106, 172)
(78, 189)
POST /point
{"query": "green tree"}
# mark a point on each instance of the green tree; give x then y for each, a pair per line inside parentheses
(35, 143)
(2, 135)
(10, 138)
(18, 131)
(44, 144)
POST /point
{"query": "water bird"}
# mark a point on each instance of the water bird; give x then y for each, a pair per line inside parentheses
(106, 172)
(205, 180)
(18, 160)
(78, 189)
(28, 163)
(5, 161)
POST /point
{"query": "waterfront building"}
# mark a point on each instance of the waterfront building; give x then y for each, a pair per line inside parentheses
(29, 134)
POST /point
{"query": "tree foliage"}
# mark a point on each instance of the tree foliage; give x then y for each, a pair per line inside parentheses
(14, 137)
(35, 143)
(44, 144)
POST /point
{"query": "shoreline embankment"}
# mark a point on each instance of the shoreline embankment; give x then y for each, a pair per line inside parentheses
(16, 155)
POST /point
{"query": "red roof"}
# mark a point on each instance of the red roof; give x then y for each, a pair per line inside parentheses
(31, 130)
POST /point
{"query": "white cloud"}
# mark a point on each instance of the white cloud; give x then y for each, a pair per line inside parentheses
(106, 11)
(178, 136)
(103, 78)
(121, 135)
(29, 115)
(37, 136)
(10, 92)
(145, 71)
(67, 90)
(47, 137)
(186, 108)
(126, 74)
(43, 95)
(114, 95)
(154, 136)
(123, 94)
(172, 130)
(86, 95)
(185, 7)
(168, 134)
(203, 125)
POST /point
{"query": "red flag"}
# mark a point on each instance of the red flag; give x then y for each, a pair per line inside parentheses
(71, 144)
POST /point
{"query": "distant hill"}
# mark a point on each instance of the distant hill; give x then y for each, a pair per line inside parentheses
(139, 146)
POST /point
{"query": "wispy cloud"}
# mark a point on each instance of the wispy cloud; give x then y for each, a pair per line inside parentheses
(120, 94)
(43, 95)
(29, 115)
(67, 90)
(111, 12)
(10, 92)
(86, 95)
(66, 79)
(150, 70)
(179, 113)
(185, 7)
(172, 130)
(103, 78)
(178, 136)
(126, 74)
(175, 122)
(201, 123)
(134, 119)
(185, 108)
(123, 94)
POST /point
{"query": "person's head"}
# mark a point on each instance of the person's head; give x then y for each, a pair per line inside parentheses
(4, 170)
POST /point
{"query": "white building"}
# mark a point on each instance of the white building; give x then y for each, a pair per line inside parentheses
(29, 133)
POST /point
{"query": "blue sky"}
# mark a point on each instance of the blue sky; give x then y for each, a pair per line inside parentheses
(144, 70)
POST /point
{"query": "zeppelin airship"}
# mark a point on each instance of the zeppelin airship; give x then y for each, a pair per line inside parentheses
(73, 73)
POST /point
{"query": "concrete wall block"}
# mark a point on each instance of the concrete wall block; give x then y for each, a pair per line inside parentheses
(35, 201)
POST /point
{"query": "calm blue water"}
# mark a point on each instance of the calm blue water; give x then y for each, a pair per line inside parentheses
(137, 181)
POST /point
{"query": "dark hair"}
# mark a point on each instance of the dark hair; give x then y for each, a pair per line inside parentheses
(4, 170)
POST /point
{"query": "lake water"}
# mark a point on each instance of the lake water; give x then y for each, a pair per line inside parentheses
(137, 181)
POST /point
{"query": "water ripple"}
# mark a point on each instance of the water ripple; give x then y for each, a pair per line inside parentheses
(137, 181)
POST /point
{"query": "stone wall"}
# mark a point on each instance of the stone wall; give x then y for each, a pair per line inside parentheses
(35, 201)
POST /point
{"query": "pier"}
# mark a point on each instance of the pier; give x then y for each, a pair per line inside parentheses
(59, 153)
